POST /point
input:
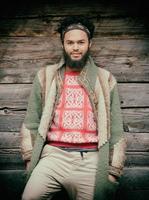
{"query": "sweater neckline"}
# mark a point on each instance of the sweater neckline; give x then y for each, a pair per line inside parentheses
(72, 73)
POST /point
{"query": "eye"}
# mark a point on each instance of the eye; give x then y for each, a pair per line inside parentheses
(69, 42)
(81, 42)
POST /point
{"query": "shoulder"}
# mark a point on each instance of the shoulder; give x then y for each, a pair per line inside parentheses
(107, 76)
(103, 71)
(47, 68)
(45, 72)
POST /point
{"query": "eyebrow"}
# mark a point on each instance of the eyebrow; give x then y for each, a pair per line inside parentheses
(77, 40)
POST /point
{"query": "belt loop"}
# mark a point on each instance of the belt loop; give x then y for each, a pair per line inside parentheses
(81, 152)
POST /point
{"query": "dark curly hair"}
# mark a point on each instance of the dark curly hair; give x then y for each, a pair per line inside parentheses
(75, 20)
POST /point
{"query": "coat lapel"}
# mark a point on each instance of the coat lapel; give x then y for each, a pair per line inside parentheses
(89, 79)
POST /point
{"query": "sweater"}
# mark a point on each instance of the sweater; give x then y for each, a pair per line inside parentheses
(102, 90)
(73, 124)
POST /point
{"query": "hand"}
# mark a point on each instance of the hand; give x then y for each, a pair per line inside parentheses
(112, 178)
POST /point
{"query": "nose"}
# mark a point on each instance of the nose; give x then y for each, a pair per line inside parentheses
(75, 46)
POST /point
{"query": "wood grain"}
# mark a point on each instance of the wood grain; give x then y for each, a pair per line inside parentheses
(17, 95)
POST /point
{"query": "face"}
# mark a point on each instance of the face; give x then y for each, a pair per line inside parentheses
(76, 46)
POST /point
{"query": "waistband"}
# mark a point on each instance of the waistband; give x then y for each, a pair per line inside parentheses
(78, 149)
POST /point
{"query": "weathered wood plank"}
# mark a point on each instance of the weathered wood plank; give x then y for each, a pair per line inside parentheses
(16, 95)
(132, 194)
(21, 71)
(125, 69)
(135, 120)
(10, 140)
(47, 26)
(129, 95)
(11, 159)
(136, 178)
(16, 48)
(134, 159)
(136, 142)
(12, 120)
(10, 153)
(133, 179)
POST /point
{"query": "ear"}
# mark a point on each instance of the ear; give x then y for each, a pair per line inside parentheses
(62, 45)
(90, 43)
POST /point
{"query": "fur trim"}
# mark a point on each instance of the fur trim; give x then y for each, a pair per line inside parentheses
(119, 154)
(26, 144)
(48, 110)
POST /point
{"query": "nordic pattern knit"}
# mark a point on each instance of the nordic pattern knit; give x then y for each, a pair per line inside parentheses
(73, 124)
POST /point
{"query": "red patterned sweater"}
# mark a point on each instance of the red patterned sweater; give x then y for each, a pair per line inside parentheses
(73, 124)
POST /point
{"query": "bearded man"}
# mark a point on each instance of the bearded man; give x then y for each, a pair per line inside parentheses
(72, 135)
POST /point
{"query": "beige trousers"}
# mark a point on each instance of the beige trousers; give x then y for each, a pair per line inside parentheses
(57, 169)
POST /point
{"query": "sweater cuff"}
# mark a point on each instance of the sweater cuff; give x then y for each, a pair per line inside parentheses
(27, 156)
(115, 171)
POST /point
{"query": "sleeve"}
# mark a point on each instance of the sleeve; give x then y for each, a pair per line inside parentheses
(31, 122)
(117, 139)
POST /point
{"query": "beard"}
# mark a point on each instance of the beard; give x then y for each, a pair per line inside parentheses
(76, 65)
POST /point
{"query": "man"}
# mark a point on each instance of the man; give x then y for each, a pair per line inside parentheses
(73, 126)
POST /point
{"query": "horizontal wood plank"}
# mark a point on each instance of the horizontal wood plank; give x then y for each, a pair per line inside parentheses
(16, 95)
(126, 69)
(11, 159)
(137, 153)
(121, 56)
(47, 26)
(136, 178)
(13, 181)
(134, 159)
(17, 48)
(135, 120)
(136, 142)
(129, 95)
(10, 140)
(133, 180)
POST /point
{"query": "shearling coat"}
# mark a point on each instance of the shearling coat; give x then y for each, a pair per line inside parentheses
(103, 94)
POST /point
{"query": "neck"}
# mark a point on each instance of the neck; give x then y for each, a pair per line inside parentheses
(69, 69)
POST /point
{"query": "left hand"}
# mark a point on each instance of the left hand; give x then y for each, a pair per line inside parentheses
(112, 178)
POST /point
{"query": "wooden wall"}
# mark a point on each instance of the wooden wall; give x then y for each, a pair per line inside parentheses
(28, 40)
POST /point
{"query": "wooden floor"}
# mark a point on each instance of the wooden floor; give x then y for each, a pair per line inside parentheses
(28, 40)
